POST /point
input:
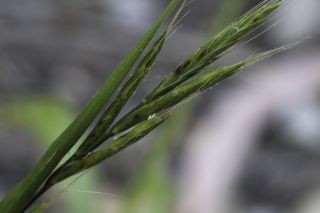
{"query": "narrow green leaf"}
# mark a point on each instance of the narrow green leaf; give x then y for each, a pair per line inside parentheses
(18, 199)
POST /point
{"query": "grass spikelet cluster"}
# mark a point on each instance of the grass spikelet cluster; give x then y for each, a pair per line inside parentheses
(184, 82)
(178, 86)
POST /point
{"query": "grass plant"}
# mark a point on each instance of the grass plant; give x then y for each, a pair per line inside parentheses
(189, 79)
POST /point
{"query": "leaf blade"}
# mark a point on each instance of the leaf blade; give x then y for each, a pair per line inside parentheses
(19, 197)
